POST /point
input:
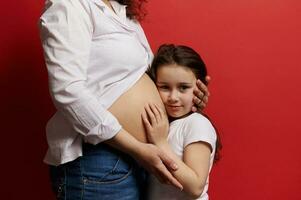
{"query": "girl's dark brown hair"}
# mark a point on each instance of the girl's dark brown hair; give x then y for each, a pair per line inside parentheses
(134, 9)
(181, 55)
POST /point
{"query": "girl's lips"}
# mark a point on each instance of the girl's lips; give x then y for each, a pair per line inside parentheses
(174, 107)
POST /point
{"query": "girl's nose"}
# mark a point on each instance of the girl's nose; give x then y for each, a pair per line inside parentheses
(174, 96)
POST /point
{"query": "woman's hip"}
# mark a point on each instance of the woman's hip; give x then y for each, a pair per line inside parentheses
(101, 173)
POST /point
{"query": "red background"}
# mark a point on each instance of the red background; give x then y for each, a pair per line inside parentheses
(252, 50)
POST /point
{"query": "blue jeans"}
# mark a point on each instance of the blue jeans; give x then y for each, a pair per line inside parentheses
(102, 173)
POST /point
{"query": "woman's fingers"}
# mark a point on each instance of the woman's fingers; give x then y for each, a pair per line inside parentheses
(158, 163)
(202, 87)
(201, 96)
(201, 90)
(168, 177)
(168, 163)
(208, 79)
(200, 103)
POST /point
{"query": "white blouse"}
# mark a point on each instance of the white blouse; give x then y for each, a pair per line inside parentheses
(93, 55)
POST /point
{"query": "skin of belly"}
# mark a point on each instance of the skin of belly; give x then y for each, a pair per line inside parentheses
(128, 107)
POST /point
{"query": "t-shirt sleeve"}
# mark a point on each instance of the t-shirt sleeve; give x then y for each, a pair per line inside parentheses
(199, 129)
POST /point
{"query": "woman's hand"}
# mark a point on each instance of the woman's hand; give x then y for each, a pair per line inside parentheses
(201, 96)
(156, 124)
(155, 161)
(149, 156)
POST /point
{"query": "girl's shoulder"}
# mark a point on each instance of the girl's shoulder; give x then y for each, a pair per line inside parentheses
(193, 121)
(197, 120)
(197, 127)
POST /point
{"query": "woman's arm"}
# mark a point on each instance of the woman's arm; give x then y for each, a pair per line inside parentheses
(193, 171)
(148, 155)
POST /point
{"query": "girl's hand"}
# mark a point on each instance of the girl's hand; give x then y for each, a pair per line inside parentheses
(201, 96)
(156, 124)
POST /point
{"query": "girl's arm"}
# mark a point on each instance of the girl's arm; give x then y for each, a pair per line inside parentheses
(193, 171)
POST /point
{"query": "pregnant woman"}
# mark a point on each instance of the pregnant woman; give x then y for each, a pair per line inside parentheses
(96, 55)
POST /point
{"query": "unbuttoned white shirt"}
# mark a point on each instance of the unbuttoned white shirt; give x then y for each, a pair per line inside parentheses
(93, 55)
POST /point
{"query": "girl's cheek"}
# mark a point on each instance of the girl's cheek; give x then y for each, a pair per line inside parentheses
(189, 99)
(163, 96)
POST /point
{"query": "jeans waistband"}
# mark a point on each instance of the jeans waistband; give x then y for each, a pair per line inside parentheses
(93, 149)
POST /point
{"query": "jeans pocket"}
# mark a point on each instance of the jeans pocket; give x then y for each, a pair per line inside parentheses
(105, 167)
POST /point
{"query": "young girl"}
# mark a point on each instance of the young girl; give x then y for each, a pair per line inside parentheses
(191, 139)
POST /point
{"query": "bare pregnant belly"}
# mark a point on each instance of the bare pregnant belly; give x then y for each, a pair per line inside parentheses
(128, 108)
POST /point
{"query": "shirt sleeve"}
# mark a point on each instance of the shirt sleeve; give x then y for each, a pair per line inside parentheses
(199, 128)
(66, 35)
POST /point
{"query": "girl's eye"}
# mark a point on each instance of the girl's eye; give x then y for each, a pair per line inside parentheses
(163, 87)
(183, 88)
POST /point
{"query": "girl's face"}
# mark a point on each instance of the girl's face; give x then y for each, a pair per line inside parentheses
(175, 85)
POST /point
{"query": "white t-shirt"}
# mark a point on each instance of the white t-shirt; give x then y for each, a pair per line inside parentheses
(183, 132)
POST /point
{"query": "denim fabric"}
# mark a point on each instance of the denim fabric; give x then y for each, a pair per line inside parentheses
(102, 173)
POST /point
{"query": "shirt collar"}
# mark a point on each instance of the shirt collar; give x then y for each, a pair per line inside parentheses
(119, 16)
(100, 3)
(119, 9)
(117, 6)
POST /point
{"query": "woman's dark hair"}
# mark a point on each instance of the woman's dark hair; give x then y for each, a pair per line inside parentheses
(134, 9)
(181, 55)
